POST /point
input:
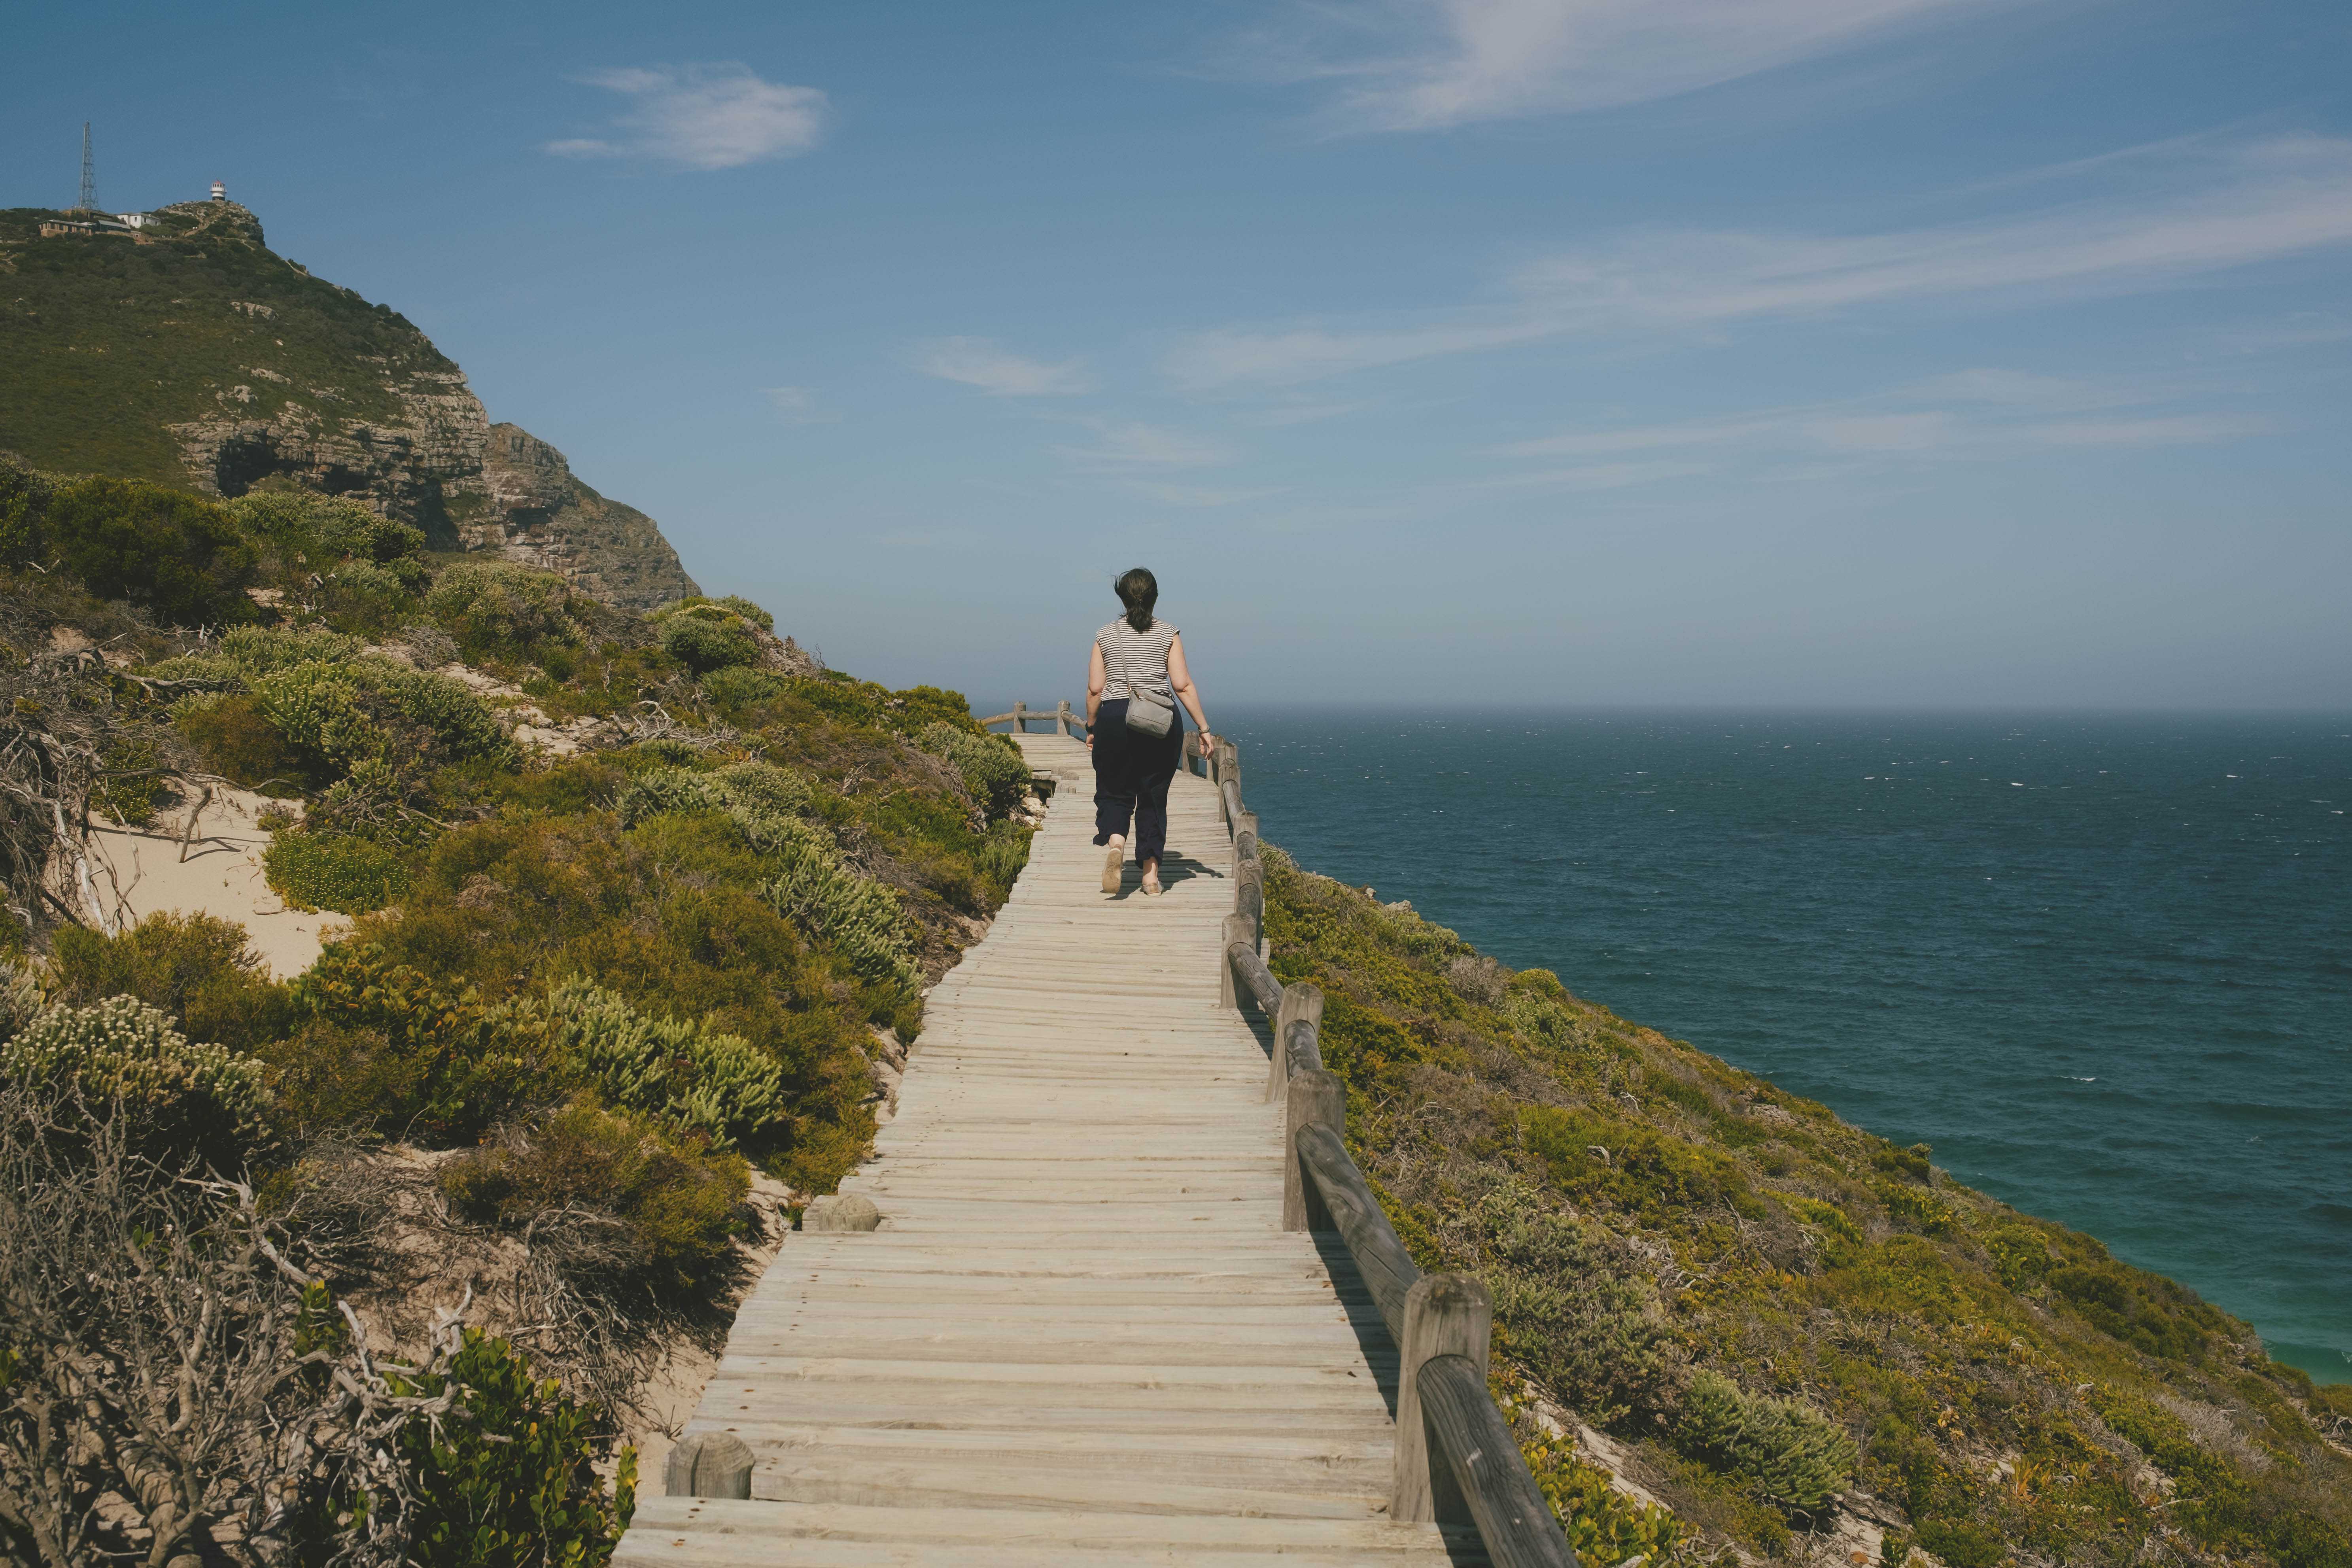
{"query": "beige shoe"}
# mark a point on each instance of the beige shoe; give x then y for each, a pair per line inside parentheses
(1114, 864)
(1151, 882)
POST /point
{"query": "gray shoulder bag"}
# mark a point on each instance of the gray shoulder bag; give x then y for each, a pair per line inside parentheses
(1147, 715)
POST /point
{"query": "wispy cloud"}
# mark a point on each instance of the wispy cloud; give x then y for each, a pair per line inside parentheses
(1130, 446)
(1201, 497)
(1307, 412)
(703, 117)
(976, 362)
(2208, 210)
(1973, 413)
(1420, 65)
(2308, 330)
(795, 405)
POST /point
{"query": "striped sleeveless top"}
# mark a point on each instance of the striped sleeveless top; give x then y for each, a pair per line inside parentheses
(1135, 661)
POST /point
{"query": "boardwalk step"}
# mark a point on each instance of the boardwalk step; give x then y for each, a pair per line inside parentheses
(696, 1532)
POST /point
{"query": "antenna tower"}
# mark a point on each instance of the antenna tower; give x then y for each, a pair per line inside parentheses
(88, 202)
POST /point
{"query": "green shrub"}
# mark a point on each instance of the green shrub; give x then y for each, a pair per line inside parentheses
(259, 650)
(235, 739)
(362, 594)
(2019, 1256)
(331, 526)
(333, 871)
(196, 967)
(857, 916)
(20, 995)
(1629, 1163)
(1917, 1207)
(767, 803)
(1587, 1330)
(735, 687)
(387, 1048)
(202, 1103)
(679, 1203)
(1911, 1162)
(1963, 1545)
(717, 1085)
(512, 1483)
(1605, 1526)
(498, 607)
(1785, 1453)
(1540, 1021)
(991, 766)
(181, 558)
(703, 645)
(1004, 857)
(863, 919)
(131, 786)
(749, 611)
(24, 509)
(335, 715)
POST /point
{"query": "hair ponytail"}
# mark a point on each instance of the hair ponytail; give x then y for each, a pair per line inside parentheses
(1138, 590)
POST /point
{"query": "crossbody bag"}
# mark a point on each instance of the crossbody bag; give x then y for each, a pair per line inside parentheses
(1148, 715)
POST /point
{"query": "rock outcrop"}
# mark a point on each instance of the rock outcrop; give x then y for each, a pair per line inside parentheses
(424, 466)
(540, 514)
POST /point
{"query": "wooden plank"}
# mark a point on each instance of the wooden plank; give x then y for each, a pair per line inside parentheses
(715, 1534)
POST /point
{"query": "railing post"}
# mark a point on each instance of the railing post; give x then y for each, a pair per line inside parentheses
(1314, 1100)
(1249, 899)
(1228, 984)
(1065, 725)
(1229, 769)
(709, 1464)
(1445, 1314)
(1301, 1003)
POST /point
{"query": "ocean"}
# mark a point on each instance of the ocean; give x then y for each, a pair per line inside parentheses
(2102, 965)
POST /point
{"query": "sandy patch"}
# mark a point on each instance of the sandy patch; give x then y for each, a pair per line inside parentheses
(149, 870)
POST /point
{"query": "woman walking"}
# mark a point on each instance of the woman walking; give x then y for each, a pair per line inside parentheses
(1134, 681)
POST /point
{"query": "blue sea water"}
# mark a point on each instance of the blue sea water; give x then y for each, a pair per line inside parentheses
(2103, 965)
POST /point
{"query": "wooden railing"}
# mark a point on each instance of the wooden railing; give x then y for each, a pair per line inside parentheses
(1065, 722)
(1456, 1461)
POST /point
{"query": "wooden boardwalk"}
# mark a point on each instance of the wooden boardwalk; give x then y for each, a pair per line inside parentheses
(1080, 1334)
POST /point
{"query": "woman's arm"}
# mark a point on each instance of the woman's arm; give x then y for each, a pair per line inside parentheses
(1180, 681)
(1096, 676)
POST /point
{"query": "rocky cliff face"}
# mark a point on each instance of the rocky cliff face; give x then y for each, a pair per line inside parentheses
(540, 514)
(191, 354)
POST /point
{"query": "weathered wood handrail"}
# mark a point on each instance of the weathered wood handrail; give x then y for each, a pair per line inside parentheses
(1064, 722)
(1456, 1459)
(1264, 988)
(1488, 1479)
(1388, 1268)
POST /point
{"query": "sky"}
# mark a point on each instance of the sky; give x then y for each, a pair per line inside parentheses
(1544, 352)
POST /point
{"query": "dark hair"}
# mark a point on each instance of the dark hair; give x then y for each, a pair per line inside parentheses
(1138, 590)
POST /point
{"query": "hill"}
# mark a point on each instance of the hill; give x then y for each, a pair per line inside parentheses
(188, 353)
(1807, 1342)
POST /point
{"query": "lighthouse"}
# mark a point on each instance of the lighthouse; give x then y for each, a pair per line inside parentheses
(220, 192)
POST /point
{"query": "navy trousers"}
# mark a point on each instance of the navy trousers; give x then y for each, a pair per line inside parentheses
(1131, 777)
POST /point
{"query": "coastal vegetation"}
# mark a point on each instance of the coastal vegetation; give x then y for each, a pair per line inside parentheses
(1804, 1339)
(633, 918)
